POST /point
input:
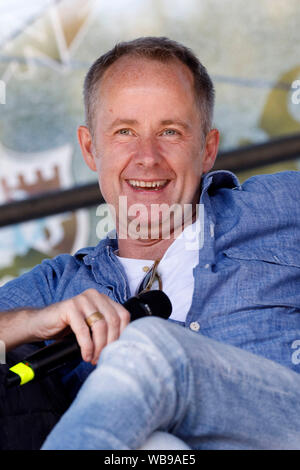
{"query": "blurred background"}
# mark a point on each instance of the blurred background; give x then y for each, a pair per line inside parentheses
(251, 50)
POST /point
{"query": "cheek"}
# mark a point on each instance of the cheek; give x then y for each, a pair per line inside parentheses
(105, 164)
(103, 173)
(108, 170)
(115, 156)
(196, 162)
(189, 168)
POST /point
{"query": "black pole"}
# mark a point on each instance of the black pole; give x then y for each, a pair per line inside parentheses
(50, 203)
(57, 202)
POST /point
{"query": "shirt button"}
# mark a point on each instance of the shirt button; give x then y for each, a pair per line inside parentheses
(146, 269)
(195, 326)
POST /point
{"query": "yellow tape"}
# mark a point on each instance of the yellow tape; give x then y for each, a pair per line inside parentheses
(25, 372)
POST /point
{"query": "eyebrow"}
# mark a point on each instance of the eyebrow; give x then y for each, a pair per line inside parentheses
(165, 122)
(121, 122)
(176, 122)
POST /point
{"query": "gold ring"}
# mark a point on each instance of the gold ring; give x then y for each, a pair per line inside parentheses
(90, 320)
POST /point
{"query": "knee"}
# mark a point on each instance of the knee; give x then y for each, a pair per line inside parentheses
(149, 323)
(153, 337)
(141, 339)
(147, 329)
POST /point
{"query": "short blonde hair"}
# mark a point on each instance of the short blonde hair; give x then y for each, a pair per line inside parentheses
(156, 48)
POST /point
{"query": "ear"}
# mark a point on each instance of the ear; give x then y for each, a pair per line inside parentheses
(86, 145)
(210, 150)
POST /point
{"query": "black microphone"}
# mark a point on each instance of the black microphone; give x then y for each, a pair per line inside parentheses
(63, 351)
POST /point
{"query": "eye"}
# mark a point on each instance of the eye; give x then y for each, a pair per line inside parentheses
(124, 132)
(169, 132)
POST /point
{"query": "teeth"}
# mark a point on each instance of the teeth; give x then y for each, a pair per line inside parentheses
(147, 184)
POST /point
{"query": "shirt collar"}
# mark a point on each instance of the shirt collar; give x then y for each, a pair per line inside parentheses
(89, 253)
(220, 179)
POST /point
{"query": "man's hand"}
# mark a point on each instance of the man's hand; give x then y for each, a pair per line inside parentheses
(58, 319)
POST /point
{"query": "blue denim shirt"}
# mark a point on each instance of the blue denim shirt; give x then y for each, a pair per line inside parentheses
(247, 281)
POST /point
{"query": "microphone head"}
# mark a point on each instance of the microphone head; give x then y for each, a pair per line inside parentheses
(158, 302)
(151, 303)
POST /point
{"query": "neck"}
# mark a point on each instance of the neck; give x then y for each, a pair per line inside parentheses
(143, 249)
(152, 248)
(149, 248)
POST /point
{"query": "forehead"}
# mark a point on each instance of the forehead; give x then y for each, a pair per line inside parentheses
(129, 72)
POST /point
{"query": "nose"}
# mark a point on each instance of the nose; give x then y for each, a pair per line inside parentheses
(147, 153)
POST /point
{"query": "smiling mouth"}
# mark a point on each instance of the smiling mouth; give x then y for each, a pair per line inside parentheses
(147, 185)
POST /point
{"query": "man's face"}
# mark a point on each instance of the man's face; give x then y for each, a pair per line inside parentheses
(148, 143)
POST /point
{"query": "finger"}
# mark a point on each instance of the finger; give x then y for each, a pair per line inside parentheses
(89, 302)
(99, 335)
(124, 316)
(108, 308)
(107, 330)
(83, 335)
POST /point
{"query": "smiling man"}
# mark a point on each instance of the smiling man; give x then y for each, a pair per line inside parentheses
(219, 373)
(146, 138)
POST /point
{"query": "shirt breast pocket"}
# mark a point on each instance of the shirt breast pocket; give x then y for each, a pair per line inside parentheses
(268, 277)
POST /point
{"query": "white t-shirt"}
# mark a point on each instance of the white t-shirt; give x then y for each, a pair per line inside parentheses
(175, 269)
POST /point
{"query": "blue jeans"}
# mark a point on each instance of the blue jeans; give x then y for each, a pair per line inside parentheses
(161, 376)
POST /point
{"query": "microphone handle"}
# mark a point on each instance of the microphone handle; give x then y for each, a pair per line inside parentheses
(36, 365)
(62, 352)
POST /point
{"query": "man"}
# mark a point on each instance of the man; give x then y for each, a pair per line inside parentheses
(149, 137)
